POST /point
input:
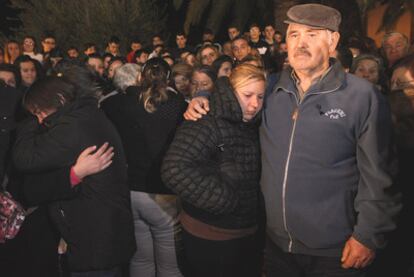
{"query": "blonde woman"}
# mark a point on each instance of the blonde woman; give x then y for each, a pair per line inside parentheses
(213, 165)
(11, 51)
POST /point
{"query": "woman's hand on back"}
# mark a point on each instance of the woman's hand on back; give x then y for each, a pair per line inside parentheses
(90, 161)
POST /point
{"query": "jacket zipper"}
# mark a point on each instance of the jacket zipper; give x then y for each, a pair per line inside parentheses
(295, 115)
(294, 118)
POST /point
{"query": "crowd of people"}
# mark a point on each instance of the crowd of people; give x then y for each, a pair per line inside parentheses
(264, 155)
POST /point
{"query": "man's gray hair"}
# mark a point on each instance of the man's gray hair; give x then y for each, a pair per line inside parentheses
(126, 76)
(391, 34)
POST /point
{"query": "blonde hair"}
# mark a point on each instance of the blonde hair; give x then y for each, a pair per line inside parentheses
(244, 74)
(7, 57)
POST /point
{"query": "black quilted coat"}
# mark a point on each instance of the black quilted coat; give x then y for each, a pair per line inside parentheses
(213, 164)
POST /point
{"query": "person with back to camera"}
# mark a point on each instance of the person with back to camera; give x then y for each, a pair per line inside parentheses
(151, 114)
(94, 215)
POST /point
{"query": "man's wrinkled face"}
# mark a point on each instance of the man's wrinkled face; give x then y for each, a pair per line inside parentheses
(309, 48)
(395, 47)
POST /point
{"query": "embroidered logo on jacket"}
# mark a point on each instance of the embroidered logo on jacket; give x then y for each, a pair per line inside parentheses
(335, 113)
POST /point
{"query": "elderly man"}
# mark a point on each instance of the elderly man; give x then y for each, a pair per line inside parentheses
(326, 145)
(326, 158)
(394, 46)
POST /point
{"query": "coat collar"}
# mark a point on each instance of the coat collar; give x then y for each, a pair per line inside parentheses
(334, 79)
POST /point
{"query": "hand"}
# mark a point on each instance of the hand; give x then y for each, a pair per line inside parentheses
(356, 255)
(198, 107)
(88, 163)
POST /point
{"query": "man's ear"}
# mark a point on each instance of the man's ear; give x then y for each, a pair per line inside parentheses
(334, 42)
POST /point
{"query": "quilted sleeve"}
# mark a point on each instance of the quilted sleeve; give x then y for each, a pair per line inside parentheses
(190, 170)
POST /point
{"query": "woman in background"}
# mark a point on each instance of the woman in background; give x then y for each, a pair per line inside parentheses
(30, 49)
(11, 51)
(181, 78)
(152, 113)
(30, 71)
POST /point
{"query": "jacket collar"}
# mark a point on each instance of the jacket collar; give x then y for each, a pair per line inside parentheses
(331, 81)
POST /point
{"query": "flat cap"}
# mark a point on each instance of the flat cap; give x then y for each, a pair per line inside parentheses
(315, 15)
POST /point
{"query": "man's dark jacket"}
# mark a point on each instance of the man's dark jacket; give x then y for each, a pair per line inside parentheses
(94, 218)
(327, 164)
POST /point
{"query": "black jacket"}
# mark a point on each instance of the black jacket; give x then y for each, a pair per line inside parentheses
(95, 217)
(214, 164)
(9, 101)
(146, 137)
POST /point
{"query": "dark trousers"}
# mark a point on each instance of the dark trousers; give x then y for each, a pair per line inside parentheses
(115, 272)
(282, 264)
(33, 252)
(230, 258)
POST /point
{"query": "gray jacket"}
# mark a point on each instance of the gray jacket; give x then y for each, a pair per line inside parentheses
(326, 165)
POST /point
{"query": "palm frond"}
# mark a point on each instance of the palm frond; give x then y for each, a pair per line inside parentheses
(394, 10)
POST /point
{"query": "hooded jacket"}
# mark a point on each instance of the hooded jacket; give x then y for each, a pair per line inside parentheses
(214, 164)
(327, 165)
